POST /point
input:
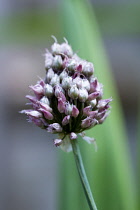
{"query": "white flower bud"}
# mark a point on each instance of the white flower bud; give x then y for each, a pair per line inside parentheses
(93, 103)
(68, 109)
(78, 81)
(85, 84)
(67, 82)
(57, 62)
(55, 80)
(49, 75)
(45, 100)
(66, 49)
(87, 68)
(73, 92)
(71, 65)
(48, 90)
(48, 60)
(56, 48)
(83, 95)
(63, 75)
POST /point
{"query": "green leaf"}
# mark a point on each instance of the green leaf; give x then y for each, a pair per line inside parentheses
(109, 170)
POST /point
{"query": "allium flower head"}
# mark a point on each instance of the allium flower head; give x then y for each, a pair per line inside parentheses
(69, 100)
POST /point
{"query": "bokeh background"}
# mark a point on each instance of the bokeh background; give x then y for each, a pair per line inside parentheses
(30, 174)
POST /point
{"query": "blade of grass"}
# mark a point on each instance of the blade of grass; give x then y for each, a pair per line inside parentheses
(109, 170)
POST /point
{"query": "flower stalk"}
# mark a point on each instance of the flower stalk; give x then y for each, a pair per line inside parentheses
(82, 174)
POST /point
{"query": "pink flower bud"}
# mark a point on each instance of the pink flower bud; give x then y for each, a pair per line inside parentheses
(92, 114)
(32, 113)
(61, 105)
(104, 117)
(75, 112)
(88, 122)
(47, 114)
(103, 102)
(38, 90)
(66, 120)
(59, 92)
(93, 85)
(73, 136)
(86, 110)
(93, 96)
(45, 106)
(31, 98)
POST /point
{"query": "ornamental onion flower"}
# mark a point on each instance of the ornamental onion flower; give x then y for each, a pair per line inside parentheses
(68, 100)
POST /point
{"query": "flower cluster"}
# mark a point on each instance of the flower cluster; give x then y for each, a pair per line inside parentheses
(69, 100)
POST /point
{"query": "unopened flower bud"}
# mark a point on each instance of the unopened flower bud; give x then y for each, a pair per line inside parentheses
(63, 75)
(55, 80)
(38, 90)
(88, 68)
(48, 60)
(56, 49)
(88, 122)
(57, 62)
(47, 114)
(31, 113)
(61, 105)
(93, 103)
(66, 120)
(49, 75)
(57, 142)
(54, 128)
(57, 90)
(31, 98)
(68, 109)
(45, 100)
(66, 49)
(71, 65)
(93, 84)
(45, 106)
(103, 102)
(75, 111)
(73, 92)
(93, 96)
(104, 117)
(86, 84)
(73, 136)
(86, 110)
(67, 82)
(83, 95)
(48, 90)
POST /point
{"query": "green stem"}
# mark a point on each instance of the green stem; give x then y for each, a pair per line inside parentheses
(82, 174)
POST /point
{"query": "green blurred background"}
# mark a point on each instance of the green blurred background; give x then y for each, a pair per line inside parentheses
(35, 175)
